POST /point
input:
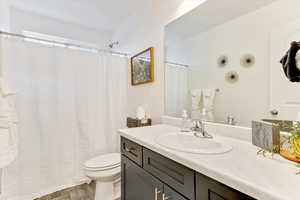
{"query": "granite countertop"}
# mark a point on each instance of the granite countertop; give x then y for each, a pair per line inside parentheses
(264, 178)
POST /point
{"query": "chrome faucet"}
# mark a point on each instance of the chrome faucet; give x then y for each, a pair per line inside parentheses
(199, 129)
(231, 120)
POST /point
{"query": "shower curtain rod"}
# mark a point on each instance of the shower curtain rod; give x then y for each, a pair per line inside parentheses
(62, 43)
(173, 63)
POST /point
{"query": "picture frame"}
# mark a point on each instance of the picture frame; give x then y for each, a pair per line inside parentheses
(142, 67)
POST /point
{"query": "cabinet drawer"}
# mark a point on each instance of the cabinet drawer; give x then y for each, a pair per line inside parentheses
(210, 189)
(132, 150)
(179, 177)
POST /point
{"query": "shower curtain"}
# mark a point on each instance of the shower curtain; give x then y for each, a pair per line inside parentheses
(70, 104)
(177, 89)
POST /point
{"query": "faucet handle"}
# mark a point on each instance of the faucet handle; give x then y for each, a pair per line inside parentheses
(231, 120)
(198, 125)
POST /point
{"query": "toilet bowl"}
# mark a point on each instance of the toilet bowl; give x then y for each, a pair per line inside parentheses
(105, 170)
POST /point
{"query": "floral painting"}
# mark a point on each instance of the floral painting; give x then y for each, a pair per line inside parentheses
(142, 67)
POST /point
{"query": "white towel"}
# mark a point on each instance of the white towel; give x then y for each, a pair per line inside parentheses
(8, 125)
(196, 103)
(209, 98)
(209, 102)
(196, 99)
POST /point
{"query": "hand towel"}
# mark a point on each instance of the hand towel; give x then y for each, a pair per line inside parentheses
(209, 102)
(196, 96)
(209, 98)
(196, 99)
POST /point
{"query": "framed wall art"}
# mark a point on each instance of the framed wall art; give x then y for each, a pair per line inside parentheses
(142, 67)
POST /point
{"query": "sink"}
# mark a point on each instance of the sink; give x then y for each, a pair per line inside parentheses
(188, 143)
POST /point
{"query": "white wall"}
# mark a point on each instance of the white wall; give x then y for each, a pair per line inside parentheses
(22, 20)
(144, 29)
(4, 15)
(247, 99)
(13, 19)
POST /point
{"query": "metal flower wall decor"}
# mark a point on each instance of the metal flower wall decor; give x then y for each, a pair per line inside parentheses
(222, 61)
(248, 60)
(232, 77)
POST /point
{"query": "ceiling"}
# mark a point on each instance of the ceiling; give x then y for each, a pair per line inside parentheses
(96, 14)
(210, 14)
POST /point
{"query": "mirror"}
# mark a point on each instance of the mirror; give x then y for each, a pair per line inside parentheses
(222, 62)
(142, 67)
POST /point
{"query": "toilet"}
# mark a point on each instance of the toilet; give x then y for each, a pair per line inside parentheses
(105, 170)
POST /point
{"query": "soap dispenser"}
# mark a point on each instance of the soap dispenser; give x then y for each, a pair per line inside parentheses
(185, 122)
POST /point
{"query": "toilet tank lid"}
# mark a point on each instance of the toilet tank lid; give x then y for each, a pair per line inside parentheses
(103, 161)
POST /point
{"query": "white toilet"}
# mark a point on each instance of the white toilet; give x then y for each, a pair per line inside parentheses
(106, 171)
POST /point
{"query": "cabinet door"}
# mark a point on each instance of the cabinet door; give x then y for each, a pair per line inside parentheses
(137, 184)
(170, 194)
(209, 189)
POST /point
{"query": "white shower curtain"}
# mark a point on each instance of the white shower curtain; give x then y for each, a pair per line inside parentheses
(70, 104)
(177, 89)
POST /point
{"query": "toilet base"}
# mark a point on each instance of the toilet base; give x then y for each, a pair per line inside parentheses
(107, 190)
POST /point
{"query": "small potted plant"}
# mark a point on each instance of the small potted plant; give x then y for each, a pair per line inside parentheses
(295, 139)
(290, 145)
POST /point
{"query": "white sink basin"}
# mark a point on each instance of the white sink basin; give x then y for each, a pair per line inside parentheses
(188, 143)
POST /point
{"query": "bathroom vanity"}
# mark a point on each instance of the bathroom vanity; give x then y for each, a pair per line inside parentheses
(151, 171)
(148, 175)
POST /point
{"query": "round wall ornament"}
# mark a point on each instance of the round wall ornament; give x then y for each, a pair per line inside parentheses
(222, 61)
(248, 60)
(232, 77)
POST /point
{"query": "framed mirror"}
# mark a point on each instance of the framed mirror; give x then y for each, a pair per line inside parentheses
(142, 67)
(233, 94)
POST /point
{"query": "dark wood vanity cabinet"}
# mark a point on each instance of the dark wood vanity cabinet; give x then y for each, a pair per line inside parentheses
(147, 175)
(177, 176)
(209, 189)
(138, 184)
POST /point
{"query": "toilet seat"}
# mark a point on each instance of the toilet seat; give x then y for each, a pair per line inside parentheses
(105, 170)
(103, 162)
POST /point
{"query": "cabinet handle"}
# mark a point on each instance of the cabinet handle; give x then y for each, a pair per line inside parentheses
(157, 192)
(129, 149)
(164, 197)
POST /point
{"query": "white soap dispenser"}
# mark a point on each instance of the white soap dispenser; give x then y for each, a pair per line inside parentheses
(185, 122)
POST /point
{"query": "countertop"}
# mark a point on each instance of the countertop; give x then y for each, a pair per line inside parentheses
(264, 178)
